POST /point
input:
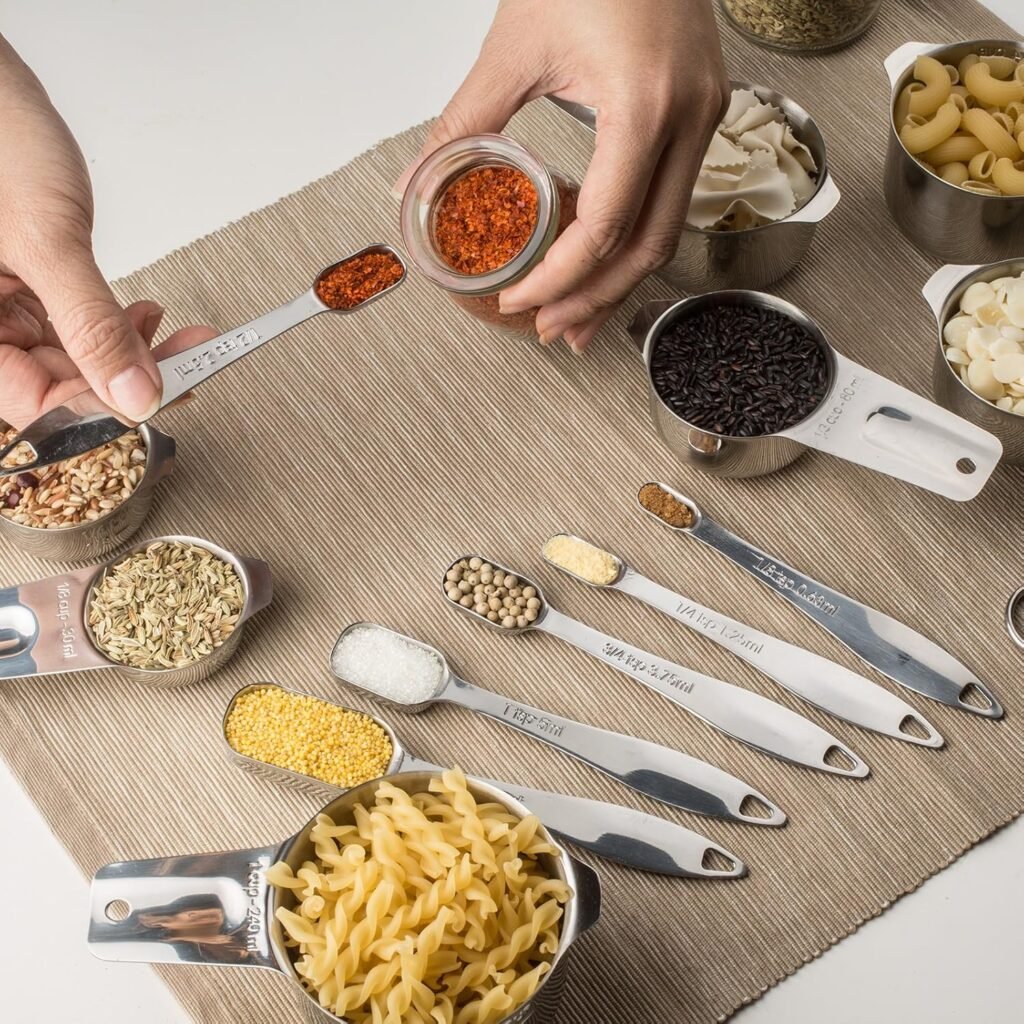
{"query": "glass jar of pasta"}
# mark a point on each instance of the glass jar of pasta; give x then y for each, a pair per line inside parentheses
(478, 215)
(802, 24)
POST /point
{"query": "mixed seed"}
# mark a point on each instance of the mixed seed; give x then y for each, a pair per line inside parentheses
(803, 24)
(739, 371)
(78, 490)
(493, 594)
(165, 607)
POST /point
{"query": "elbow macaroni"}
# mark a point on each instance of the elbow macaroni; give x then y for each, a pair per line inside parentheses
(965, 123)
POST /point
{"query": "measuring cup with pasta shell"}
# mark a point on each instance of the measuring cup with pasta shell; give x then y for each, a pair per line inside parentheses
(44, 624)
(942, 218)
(943, 292)
(621, 834)
(218, 909)
(863, 417)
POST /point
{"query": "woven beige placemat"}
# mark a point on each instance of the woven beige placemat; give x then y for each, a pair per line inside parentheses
(357, 455)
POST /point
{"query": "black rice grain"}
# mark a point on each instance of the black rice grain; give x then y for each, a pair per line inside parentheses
(741, 371)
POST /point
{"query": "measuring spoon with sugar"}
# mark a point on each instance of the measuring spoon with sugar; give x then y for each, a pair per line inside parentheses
(85, 421)
(896, 650)
(667, 775)
(742, 714)
(821, 682)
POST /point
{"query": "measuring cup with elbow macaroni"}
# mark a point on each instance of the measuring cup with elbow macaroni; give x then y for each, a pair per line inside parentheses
(863, 417)
(218, 908)
(622, 834)
(44, 625)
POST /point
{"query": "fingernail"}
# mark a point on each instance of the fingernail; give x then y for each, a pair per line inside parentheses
(577, 348)
(508, 306)
(151, 323)
(134, 393)
(550, 334)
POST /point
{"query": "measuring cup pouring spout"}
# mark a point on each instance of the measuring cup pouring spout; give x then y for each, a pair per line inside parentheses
(863, 418)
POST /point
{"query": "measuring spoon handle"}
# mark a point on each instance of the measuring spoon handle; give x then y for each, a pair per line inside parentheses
(821, 682)
(742, 714)
(617, 833)
(657, 771)
(896, 650)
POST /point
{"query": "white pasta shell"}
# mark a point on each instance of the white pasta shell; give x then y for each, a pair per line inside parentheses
(1005, 403)
(1013, 333)
(981, 293)
(980, 340)
(983, 381)
(1000, 284)
(991, 314)
(1008, 368)
(958, 357)
(1015, 305)
(1018, 407)
(1015, 389)
(963, 375)
(955, 332)
(1004, 347)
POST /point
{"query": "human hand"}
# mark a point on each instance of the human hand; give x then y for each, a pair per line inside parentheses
(654, 71)
(61, 329)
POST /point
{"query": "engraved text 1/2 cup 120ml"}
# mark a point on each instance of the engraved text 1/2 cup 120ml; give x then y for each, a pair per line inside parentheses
(860, 416)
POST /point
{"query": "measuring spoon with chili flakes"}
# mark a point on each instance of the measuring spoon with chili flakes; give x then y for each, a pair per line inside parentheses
(742, 714)
(85, 422)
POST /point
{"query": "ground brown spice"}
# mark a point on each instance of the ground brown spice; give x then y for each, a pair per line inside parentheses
(484, 219)
(353, 282)
(664, 506)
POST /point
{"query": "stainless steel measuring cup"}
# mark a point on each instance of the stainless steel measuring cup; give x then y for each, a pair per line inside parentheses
(84, 422)
(621, 834)
(44, 625)
(821, 682)
(936, 215)
(661, 773)
(943, 292)
(217, 908)
(752, 257)
(896, 650)
(742, 714)
(863, 417)
(93, 539)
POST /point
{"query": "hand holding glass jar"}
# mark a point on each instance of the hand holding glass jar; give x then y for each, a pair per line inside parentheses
(653, 70)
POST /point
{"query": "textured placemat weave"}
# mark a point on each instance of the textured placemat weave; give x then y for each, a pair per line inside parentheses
(408, 434)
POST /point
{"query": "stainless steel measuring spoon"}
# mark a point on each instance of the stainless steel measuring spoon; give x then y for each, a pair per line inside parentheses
(896, 650)
(825, 684)
(44, 625)
(742, 714)
(666, 775)
(85, 421)
(617, 833)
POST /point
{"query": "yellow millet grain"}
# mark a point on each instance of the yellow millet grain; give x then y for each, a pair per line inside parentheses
(314, 737)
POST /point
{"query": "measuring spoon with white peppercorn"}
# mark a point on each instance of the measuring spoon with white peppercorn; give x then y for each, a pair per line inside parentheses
(821, 682)
(411, 676)
(742, 714)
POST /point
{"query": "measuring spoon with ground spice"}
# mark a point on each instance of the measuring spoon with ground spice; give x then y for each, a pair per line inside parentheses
(746, 716)
(85, 422)
(821, 682)
(896, 650)
(411, 676)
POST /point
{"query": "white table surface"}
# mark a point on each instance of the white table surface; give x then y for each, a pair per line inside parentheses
(193, 113)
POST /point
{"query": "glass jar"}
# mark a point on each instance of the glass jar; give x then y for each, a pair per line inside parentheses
(477, 294)
(810, 25)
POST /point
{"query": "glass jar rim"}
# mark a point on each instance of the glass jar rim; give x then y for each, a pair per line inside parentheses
(429, 182)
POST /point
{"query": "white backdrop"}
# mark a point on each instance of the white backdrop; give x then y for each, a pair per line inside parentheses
(191, 114)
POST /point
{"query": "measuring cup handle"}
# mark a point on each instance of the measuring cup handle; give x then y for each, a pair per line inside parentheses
(261, 584)
(943, 281)
(588, 892)
(209, 908)
(901, 58)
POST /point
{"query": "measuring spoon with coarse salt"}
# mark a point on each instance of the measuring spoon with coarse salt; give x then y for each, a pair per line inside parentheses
(621, 834)
(85, 422)
(829, 686)
(411, 675)
(742, 714)
(896, 650)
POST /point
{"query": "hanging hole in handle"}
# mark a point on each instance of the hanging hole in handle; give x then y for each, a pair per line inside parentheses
(117, 911)
(836, 757)
(913, 726)
(754, 807)
(965, 466)
(716, 860)
(975, 697)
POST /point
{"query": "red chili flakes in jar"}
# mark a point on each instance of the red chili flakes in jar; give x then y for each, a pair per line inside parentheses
(354, 281)
(484, 219)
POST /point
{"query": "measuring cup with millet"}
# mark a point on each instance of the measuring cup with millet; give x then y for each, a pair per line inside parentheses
(478, 215)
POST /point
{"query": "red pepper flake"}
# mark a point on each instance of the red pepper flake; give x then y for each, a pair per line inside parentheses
(484, 219)
(351, 283)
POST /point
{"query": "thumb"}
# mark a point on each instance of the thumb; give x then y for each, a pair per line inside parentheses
(97, 334)
(492, 92)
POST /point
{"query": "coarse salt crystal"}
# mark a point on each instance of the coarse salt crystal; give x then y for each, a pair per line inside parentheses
(387, 664)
